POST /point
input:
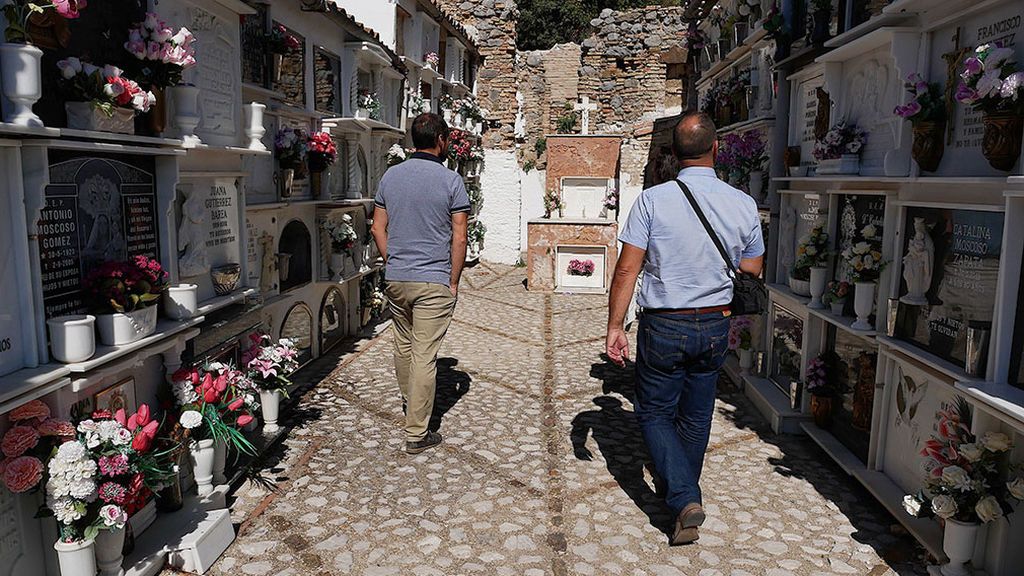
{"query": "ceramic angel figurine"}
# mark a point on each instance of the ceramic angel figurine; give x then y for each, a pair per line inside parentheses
(268, 272)
(918, 264)
(192, 259)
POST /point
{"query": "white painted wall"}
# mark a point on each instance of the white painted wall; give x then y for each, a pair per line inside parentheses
(501, 186)
(532, 202)
(378, 15)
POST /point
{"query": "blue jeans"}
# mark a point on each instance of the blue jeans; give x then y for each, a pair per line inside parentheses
(677, 363)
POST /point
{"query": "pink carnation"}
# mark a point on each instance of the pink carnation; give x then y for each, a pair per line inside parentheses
(34, 410)
(112, 493)
(54, 427)
(22, 474)
(19, 440)
(69, 8)
(113, 465)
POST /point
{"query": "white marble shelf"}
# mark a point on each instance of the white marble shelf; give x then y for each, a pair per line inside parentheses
(881, 487)
(105, 354)
(360, 274)
(574, 221)
(275, 205)
(951, 180)
(864, 28)
(872, 40)
(120, 138)
(749, 123)
(769, 400)
(213, 304)
(28, 384)
(240, 150)
(16, 130)
(788, 295)
(842, 322)
(912, 6)
(260, 91)
(953, 371)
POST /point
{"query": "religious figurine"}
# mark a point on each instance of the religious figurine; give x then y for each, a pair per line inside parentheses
(192, 260)
(100, 198)
(953, 59)
(268, 263)
(864, 392)
(918, 264)
(823, 117)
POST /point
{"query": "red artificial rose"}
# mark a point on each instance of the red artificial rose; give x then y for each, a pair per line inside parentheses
(244, 419)
(101, 415)
(211, 396)
(119, 417)
(236, 404)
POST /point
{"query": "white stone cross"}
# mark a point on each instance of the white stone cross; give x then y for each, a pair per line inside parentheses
(586, 107)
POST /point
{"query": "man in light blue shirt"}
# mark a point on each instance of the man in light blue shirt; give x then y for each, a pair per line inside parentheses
(683, 333)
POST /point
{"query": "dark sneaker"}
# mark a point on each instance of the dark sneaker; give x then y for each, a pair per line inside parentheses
(432, 439)
(687, 524)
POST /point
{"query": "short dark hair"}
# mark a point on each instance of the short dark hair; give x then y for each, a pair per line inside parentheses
(694, 136)
(426, 129)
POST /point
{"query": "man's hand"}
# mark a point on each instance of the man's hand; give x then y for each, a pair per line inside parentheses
(455, 290)
(617, 346)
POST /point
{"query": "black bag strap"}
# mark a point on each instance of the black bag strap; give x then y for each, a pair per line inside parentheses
(707, 225)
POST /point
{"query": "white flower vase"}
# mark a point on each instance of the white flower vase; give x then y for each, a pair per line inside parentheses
(76, 558)
(819, 280)
(254, 128)
(838, 307)
(799, 287)
(120, 329)
(21, 77)
(362, 113)
(337, 266)
(182, 301)
(270, 404)
(85, 116)
(186, 118)
(958, 541)
(220, 460)
(863, 305)
(202, 453)
(109, 545)
(746, 360)
(72, 338)
(353, 264)
(756, 186)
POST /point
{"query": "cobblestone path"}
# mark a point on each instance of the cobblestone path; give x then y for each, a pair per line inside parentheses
(542, 471)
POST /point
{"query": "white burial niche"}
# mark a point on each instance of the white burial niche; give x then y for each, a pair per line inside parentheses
(584, 197)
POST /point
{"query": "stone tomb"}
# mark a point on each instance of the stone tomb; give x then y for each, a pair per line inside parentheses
(576, 248)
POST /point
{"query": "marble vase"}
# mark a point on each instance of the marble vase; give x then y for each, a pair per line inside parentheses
(863, 305)
(109, 547)
(958, 541)
(21, 79)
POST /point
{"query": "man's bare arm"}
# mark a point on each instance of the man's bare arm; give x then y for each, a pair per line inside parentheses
(631, 261)
(380, 230)
(752, 265)
(460, 229)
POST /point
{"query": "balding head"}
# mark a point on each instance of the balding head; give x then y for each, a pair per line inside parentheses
(694, 140)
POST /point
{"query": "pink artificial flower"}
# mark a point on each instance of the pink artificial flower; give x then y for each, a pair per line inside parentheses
(54, 427)
(989, 84)
(154, 50)
(163, 33)
(152, 21)
(34, 410)
(18, 440)
(112, 493)
(183, 38)
(966, 94)
(113, 465)
(22, 474)
(244, 419)
(69, 8)
(972, 67)
(236, 404)
(137, 48)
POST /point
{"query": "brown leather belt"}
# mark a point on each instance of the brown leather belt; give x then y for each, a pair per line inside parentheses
(688, 311)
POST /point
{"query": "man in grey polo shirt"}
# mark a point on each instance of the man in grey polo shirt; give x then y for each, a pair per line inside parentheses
(419, 224)
(684, 324)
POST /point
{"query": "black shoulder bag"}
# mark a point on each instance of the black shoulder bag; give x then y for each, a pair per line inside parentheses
(749, 295)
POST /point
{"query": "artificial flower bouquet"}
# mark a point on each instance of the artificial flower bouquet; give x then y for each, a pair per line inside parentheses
(291, 147)
(469, 109)
(397, 155)
(837, 292)
(740, 333)
(611, 199)
(322, 151)
(579, 267)
(214, 402)
(29, 443)
(370, 102)
(418, 105)
(343, 234)
(122, 287)
(968, 478)
(991, 82)
(432, 60)
(813, 251)
(280, 41)
(820, 380)
(842, 139)
(270, 363)
(106, 88)
(925, 105)
(17, 13)
(161, 53)
(552, 203)
(775, 23)
(864, 259)
(460, 147)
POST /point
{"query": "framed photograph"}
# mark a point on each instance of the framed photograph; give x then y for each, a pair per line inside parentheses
(116, 397)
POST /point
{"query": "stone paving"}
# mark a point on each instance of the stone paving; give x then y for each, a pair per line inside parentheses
(542, 471)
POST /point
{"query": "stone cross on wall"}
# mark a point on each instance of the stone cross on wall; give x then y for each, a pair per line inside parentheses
(586, 107)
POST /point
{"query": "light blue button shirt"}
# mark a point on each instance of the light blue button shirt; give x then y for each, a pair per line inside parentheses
(682, 268)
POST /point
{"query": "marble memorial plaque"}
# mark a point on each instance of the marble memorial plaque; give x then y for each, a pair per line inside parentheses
(786, 348)
(856, 212)
(568, 281)
(584, 197)
(855, 375)
(11, 353)
(800, 214)
(805, 112)
(98, 208)
(964, 247)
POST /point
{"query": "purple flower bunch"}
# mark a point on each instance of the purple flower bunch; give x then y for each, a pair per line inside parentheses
(291, 146)
(742, 153)
(581, 267)
(925, 103)
(991, 82)
(843, 138)
(817, 377)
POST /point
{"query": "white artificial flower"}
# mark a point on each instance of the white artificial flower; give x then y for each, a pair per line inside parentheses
(82, 490)
(113, 516)
(111, 70)
(67, 510)
(861, 248)
(89, 69)
(811, 250)
(956, 478)
(854, 147)
(191, 419)
(1016, 487)
(185, 393)
(971, 451)
(997, 57)
(988, 509)
(944, 506)
(869, 231)
(108, 429)
(990, 84)
(71, 451)
(996, 442)
(122, 437)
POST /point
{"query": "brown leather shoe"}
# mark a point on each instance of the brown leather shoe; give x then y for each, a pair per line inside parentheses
(432, 439)
(687, 524)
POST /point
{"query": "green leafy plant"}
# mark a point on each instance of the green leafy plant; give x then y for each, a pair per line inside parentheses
(540, 146)
(552, 203)
(566, 123)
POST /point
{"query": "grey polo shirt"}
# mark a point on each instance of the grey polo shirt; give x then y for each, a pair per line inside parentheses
(420, 195)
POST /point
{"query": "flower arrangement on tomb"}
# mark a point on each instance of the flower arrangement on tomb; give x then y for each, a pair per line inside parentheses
(820, 380)
(106, 88)
(837, 292)
(469, 109)
(775, 23)
(812, 252)
(370, 102)
(418, 104)
(460, 146)
(214, 402)
(991, 82)
(740, 335)
(121, 287)
(552, 203)
(696, 40)
(270, 363)
(475, 233)
(343, 235)
(18, 12)
(161, 54)
(396, 155)
(841, 139)
(742, 154)
(432, 60)
(372, 297)
(28, 444)
(321, 151)
(105, 473)
(291, 147)
(750, 9)
(579, 267)
(925, 103)
(611, 199)
(280, 41)
(968, 477)
(476, 195)
(864, 259)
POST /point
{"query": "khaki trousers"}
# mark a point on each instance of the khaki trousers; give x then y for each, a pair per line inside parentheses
(422, 313)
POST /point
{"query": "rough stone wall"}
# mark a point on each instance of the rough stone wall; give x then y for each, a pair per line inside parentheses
(494, 22)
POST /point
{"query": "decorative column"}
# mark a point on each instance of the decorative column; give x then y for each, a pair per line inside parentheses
(352, 149)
